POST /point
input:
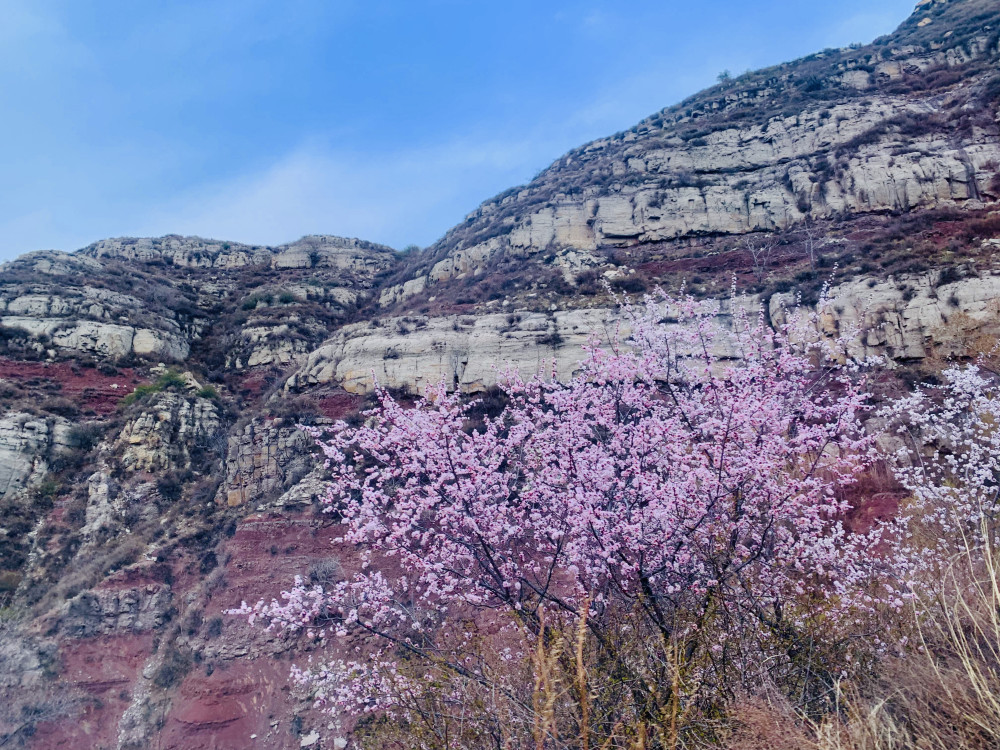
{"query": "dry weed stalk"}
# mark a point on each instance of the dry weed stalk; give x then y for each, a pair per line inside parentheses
(946, 695)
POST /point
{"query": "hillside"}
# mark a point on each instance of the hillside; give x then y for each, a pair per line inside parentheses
(151, 471)
(906, 123)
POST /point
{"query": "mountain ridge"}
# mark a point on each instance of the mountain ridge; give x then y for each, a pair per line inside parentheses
(151, 470)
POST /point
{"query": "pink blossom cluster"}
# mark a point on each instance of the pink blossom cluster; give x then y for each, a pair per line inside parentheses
(948, 458)
(689, 472)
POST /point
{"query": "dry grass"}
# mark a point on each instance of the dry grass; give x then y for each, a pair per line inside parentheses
(944, 695)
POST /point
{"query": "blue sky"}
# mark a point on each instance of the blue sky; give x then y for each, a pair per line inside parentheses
(261, 121)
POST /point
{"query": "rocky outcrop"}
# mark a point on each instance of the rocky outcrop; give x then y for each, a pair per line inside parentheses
(740, 179)
(274, 341)
(324, 251)
(116, 611)
(28, 444)
(399, 292)
(904, 319)
(62, 302)
(264, 459)
(908, 122)
(92, 303)
(316, 251)
(267, 345)
(466, 352)
(188, 252)
(41, 264)
(912, 318)
(85, 318)
(103, 339)
(167, 432)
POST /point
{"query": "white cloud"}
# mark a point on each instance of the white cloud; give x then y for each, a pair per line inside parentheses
(407, 196)
(398, 198)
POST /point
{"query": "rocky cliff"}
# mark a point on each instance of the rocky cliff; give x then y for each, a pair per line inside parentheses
(151, 470)
(907, 123)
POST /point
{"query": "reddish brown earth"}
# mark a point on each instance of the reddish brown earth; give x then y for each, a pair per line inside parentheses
(87, 387)
(875, 496)
(239, 686)
(268, 550)
(339, 405)
(736, 262)
(252, 694)
(253, 384)
(103, 670)
(872, 509)
(242, 704)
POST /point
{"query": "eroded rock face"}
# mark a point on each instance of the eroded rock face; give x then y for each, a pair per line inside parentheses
(852, 131)
(195, 252)
(103, 339)
(269, 345)
(912, 318)
(399, 292)
(88, 319)
(54, 298)
(273, 343)
(27, 445)
(164, 435)
(466, 352)
(904, 319)
(148, 297)
(761, 178)
(268, 456)
(116, 611)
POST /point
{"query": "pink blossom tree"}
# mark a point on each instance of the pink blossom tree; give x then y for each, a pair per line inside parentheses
(678, 500)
